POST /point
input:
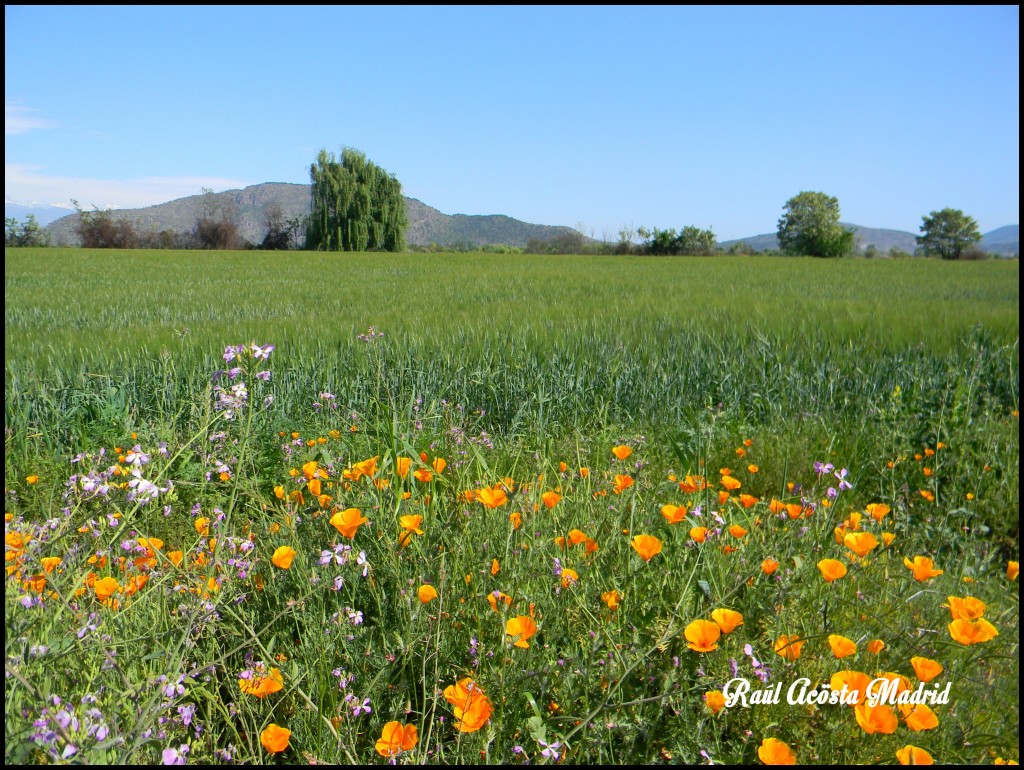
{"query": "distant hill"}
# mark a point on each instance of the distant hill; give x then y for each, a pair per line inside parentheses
(43, 212)
(426, 225)
(1005, 240)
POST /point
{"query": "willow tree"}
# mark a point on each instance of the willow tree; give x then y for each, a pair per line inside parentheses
(357, 205)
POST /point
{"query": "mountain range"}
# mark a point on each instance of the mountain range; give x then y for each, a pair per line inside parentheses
(427, 225)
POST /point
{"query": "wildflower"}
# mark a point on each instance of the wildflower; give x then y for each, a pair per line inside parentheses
(622, 451)
(913, 755)
(396, 738)
(175, 756)
(491, 497)
(674, 513)
(774, 752)
(550, 750)
(918, 717)
(472, 708)
(737, 531)
(748, 501)
(275, 739)
(411, 524)
(612, 599)
(347, 522)
(789, 646)
(692, 484)
(730, 483)
(32, 479)
(875, 646)
(647, 546)
(105, 588)
(622, 482)
(521, 628)
(841, 646)
(876, 719)
(822, 468)
(516, 519)
(497, 596)
(831, 569)
(972, 631)
(967, 608)
(569, 578)
(887, 538)
(768, 566)
(423, 476)
(699, 534)
(925, 669)
(495, 567)
(550, 499)
(259, 685)
(727, 620)
(714, 700)
(426, 593)
(855, 682)
(922, 567)
(283, 557)
(702, 636)
(861, 543)
(1012, 570)
(877, 511)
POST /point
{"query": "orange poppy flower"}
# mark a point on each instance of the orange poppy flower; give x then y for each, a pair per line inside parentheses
(550, 499)
(402, 466)
(876, 719)
(967, 608)
(396, 738)
(497, 596)
(887, 538)
(926, 669)
(105, 588)
(702, 636)
(275, 739)
(922, 567)
(841, 646)
(776, 506)
(622, 451)
(495, 567)
(855, 682)
(831, 569)
(748, 501)
(918, 717)
(422, 475)
(411, 523)
(283, 557)
(584, 472)
(622, 482)
(737, 531)
(1012, 570)
(521, 628)
(439, 464)
(262, 686)
(730, 483)
(50, 563)
(309, 469)
(912, 755)
(789, 646)
(877, 511)
(569, 578)
(516, 519)
(768, 566)
(972, 631)
(647, 546)
(693, 484)
(674, 513)
(426, 593)
(727, 620)
(772, 751)
(347, 522)
(714, 700)
(875, 646)
(699, 534)
(576, 537)
(472, 707)
(612, 599)
(491, 497)
(793, 510)
(861, 543)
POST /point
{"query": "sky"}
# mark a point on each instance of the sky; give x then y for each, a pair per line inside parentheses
(599, 117)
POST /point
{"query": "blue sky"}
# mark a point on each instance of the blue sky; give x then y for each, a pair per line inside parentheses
(656, 116)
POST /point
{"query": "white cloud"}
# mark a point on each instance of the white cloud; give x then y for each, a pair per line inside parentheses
(23, 183)
(21, 120)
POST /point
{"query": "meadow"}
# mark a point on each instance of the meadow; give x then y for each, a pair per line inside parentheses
(467, 508)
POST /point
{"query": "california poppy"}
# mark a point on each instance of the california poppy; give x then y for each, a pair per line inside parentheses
(472, 707)
(913, 755)
(737, 531)
(491, 497)
(831, 569)
(261, 686)
(922, 567)
(768, 566)
(972, 631)
(426, 593)
(730, 483)
(876, 719)
(673, 513)
(275, 739)
(772, 751)
(714, 700)
(926, 669)
(919, 717)
(550, 499)
(347, 522)
(699, 534)
(877, 511)
(622, 451)
(727, 620)
(612, 599)
(396, 738)
(622, 481)
(841, 646)
(702, 636)
(860, 543)
(521, 628)
(105, 588)
(967, 608)
(855, 682)
(402, 466)
(497, 596)
(569, 578)
(283, 557)
(516, 519)
(647, 546)
(789, 646)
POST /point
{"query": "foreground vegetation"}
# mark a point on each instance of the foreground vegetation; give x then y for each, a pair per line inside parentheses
(528, 509)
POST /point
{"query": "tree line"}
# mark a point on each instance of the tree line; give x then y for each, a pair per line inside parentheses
(358, 206)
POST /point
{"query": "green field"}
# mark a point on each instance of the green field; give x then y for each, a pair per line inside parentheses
(518, 371)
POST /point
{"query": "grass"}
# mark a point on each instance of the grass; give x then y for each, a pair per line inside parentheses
(518, 372)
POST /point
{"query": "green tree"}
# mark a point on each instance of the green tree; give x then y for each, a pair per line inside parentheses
(357, 205)
(947, 234)
(811, 227)
(27, 233)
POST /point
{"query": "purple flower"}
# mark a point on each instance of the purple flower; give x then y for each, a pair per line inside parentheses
(822, 468)
(175, 756)
(262, 353)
